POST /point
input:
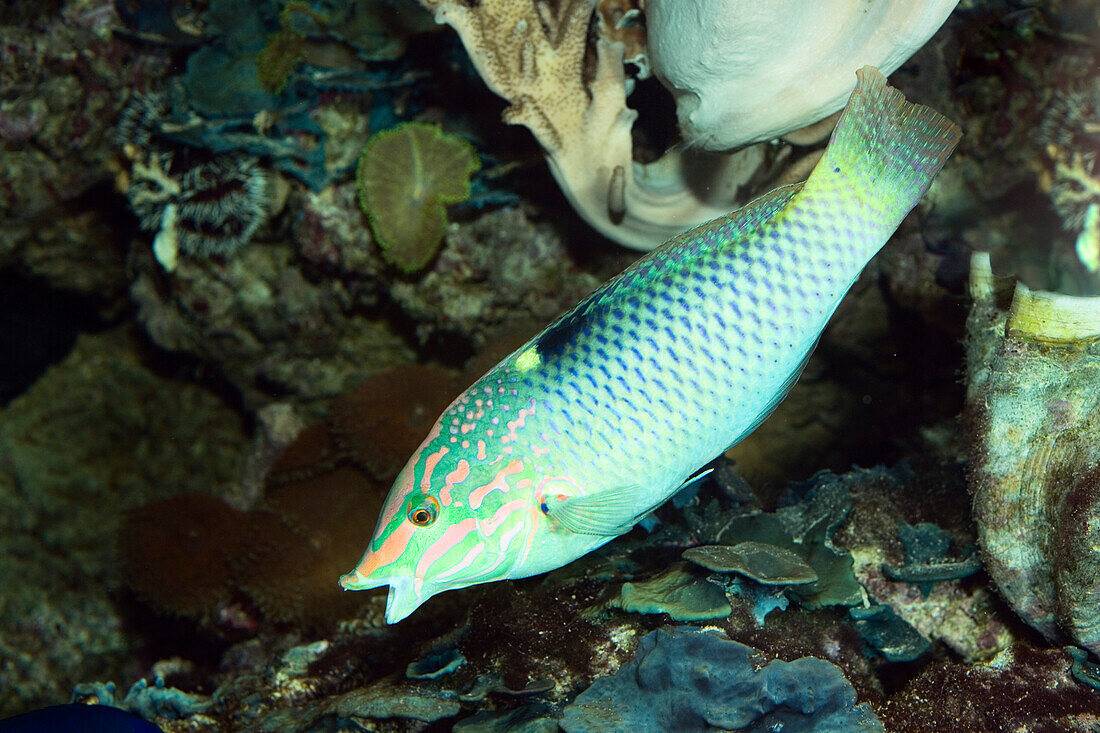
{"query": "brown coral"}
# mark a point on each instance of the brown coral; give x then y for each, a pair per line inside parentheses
(190, 554)
(325, 523)
(174, 553)
(313, 451)
(379, 424)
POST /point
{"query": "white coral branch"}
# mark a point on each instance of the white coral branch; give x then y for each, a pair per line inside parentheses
(533, 56)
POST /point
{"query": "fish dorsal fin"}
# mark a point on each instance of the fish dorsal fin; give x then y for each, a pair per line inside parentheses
(758, 211)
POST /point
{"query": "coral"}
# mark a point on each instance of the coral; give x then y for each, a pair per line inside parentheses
(97, 434)
(957, 612)
(888, 634)
(437, 663)
(313, 451)
(63, 73)
(927, 560)
(379, 424)
(681, 594)
(313, 532)
(764, 563)
(161, 701)
(284, 557)
(623, 21)
(380, 701)
(543, 632)
(494, 273)
(805, 529)
(261, 82)
(528, 719)
(272, 333)
(532, 53)
(1033, 386)
(690, 679)
(737, 83)
(194, 202)
(406, 177)
(174, 553)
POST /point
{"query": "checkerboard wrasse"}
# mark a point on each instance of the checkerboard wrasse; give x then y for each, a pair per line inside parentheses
(592, 424)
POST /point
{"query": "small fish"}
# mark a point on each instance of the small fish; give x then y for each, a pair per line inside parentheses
(77, 719)
(599, 419)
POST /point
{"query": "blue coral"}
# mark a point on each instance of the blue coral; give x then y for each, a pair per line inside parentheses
(688, 679)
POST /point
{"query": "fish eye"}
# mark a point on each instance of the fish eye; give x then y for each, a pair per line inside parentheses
(425, 512)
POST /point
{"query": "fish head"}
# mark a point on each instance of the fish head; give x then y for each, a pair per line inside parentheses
(451, 520)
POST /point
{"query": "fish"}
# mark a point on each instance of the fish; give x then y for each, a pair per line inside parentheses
(592, 424)
(77, 718)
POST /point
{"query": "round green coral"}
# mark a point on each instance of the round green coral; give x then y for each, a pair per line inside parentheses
(407, 176)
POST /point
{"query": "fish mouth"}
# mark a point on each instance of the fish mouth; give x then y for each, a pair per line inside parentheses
(402, 599)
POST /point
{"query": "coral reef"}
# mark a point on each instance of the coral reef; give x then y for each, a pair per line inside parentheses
(321, 494)
(492, 275)
(406, 177)
(269, 329)
(1033, 375)
(678, 593)
(1023, 689)
(98, 434)
(194, 202)
(169, 524)
(174, 553)
(533, 54)
(695, 679)
(61, 76)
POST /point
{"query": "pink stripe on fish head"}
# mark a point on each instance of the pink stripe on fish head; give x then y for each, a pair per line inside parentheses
(490, 525)
(387, 553)
(407, 481)
(454, 535)
(499, 482)
(455, 477)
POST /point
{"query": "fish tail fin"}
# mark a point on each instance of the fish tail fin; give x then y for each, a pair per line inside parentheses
(886, 147)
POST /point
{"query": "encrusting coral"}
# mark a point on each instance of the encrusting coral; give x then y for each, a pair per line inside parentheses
(532, 53)
(320, 499)
(689, 679)
(174, 553)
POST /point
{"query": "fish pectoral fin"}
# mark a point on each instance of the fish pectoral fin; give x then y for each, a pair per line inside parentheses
(607, 513)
